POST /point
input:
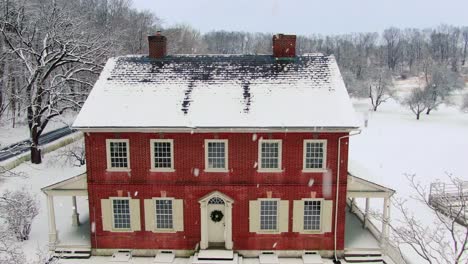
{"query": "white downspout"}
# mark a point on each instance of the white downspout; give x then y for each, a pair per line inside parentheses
(338, 189)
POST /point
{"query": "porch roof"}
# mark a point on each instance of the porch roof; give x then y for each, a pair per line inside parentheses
(74, 186)
(359, 187)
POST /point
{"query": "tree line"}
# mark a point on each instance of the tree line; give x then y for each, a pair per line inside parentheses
(51, 52)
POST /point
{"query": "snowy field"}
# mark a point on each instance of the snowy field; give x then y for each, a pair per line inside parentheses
(395, 144)
(52, 170)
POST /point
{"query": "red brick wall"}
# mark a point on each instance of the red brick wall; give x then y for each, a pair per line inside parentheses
(242, 183)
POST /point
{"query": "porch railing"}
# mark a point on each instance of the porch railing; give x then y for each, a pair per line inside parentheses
(451, 200)
(390, 249)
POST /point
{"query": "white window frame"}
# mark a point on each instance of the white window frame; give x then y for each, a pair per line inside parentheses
(280, 154)
(316, 231)
(268, 231)
(153, 168)
(108, 155)
(112, 199)
(304, 152)
(226, 155)
(162, 230)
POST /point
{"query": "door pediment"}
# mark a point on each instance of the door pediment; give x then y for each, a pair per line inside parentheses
(206, 198)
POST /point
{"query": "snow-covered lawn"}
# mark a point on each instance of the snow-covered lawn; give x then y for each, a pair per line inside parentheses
(395, 144)
(52, 170)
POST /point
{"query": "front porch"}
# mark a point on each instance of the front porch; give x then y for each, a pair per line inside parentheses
(69, 237)
(364, 239)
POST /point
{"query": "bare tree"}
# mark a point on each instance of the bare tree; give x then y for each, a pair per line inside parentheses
(441, 83)
(18, 209)
(416, 101)
(444, 241)
(357, 87)
(183, 39)
(72, 154)
(60, 54)
(465, 44)
(7, 173)
(10, 249)
(464, 105)
(379, 87)
(392, 38)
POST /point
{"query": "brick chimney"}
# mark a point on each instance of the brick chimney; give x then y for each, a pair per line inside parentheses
(157, 46)
(284, 46)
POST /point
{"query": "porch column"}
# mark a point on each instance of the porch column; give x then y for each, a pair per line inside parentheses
(204, 226)
(228, 226)
(75, 215)
(366, 213)
(353, 200)
(52, 226)
(386, 211)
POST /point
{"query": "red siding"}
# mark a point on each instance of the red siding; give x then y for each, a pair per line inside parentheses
(242, 183)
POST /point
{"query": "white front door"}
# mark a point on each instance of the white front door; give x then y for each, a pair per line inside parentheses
(216, 227)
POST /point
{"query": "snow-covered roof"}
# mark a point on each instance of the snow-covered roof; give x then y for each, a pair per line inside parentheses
(219, 91)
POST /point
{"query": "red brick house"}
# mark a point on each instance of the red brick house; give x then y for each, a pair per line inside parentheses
(240, 152)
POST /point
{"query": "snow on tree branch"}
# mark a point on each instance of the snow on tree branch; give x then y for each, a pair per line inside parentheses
(443, 241)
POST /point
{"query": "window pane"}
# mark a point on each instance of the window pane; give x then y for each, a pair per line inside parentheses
(118, 154)
(270, 155)
(314, 155)
(268, 215)
(164, 214)
(312, 215)
(216, 155)
(121, 210)
(162, 155)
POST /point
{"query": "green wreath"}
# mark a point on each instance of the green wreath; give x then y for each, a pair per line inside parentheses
(216, 216)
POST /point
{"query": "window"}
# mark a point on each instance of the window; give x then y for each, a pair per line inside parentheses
(164, 214)
(118, 154)
(162, 152)
(268, 215)
(270, 155)
(121, 212)
(312, 216)
(315, 152)
(312, 212)
(216, 155)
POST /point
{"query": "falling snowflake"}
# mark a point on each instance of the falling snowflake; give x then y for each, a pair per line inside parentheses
(274, 245)
(196, 172)
(136, 193)
(254, 137)
(93, 227)
(255, 165)
(311, 182)
(327, 183)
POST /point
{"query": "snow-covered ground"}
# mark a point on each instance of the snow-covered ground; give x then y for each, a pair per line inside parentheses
(52, 170)
(395, 144)
(10, 135)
